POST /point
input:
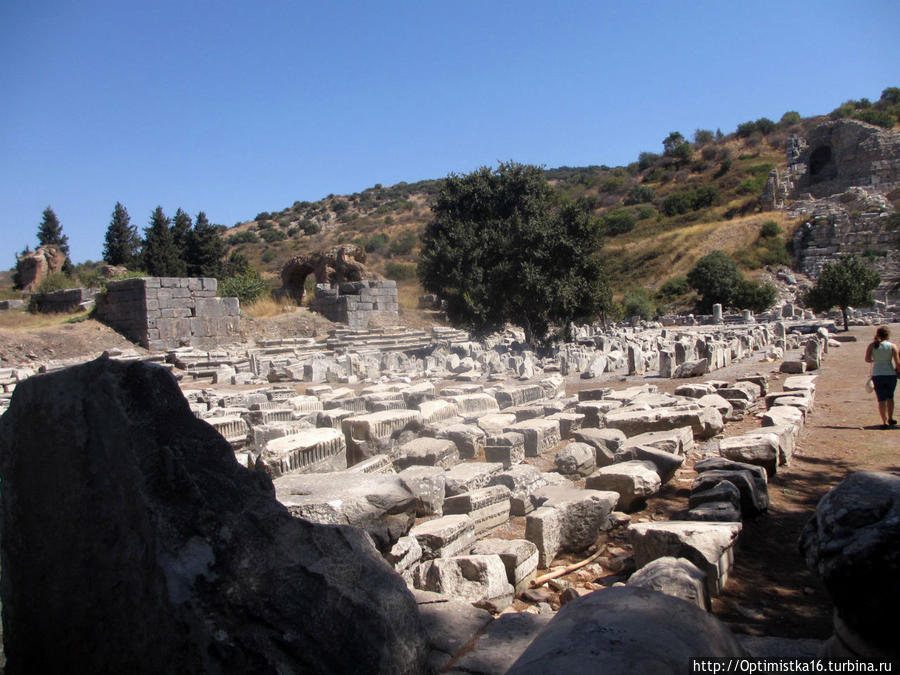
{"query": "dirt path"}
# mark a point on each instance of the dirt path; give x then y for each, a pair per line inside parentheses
(771, 591)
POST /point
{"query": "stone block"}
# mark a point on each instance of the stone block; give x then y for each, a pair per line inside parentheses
(488, 507)
(439, 452)
(677, 577)
(428, 484)
(519, 556)
(606, 443)
(470, 476)
(577, 459)
(634, 481)
(374, 433)
(570, 519)
(507, 449)
(309, 451)
(709, 546)
(444, 537)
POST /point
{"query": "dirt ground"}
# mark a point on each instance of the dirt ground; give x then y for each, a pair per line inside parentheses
(770, 591)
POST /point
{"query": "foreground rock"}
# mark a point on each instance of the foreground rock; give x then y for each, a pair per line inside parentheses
(852, 544)
(626, 630)
(175, 557)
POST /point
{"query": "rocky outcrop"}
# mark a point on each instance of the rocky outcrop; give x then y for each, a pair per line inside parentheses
(132, 541)
(34, 267)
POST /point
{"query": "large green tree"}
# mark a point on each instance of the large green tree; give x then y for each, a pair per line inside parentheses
(502, 247)
(122, 241)
(159, 256)
(715, 277)
(848, 282)
(205, 248)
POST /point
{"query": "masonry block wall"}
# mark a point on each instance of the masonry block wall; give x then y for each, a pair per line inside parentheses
(163, 313)
(355, 303)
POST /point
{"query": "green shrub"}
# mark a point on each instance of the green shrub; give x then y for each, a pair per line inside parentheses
(268, 255)
(640, 194)
(618, 221)
(403, 243)
(647, 159)
(273, 235)
(752, 186)
(57, 281)
(841, 112)
(638, 302)
(683, 201)
(245, 287)
(310, 227)
(789, 118)
(645, 211)
(703, 136)
(880, 118)
(377, 242)
(262, 215)
(673, 288)
(611, 184)
(724, 167)
(769, 229)
(244, 237)
(400, 271)
(755, 297)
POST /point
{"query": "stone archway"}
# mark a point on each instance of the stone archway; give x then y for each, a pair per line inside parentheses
(821, 165)
(342, 263)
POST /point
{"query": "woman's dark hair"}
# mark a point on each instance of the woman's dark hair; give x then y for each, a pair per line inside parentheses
(882, 333)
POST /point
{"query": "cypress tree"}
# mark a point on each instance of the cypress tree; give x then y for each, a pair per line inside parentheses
(122, 242)
(50, 232)
(181, 230)
(160, 258)
(205, 249)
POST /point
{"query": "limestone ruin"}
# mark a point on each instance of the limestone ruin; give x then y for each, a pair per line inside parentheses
(34, 267)
(430, 443)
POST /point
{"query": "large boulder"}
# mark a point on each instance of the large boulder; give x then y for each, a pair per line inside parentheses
(852, 543)
(626, 630)
(134, 541)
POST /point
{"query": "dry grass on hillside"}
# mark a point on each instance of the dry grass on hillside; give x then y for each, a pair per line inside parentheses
(17, 319)
(267, 306)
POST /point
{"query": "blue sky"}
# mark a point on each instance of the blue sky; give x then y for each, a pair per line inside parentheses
(239, 107)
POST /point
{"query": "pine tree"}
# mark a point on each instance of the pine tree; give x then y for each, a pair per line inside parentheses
(205, 249)
(181, 230)
(122, 242)
(50, 232)
(159, 256)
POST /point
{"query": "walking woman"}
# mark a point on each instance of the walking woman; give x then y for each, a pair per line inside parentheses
(885, 362)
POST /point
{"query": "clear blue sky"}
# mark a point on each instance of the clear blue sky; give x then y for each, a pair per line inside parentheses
(239, 107)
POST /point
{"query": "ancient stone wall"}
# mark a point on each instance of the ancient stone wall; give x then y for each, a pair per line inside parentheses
(852, 223)
(67, 300)
(166, 312)
(356, 303)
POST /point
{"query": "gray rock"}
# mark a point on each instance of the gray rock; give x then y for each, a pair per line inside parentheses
(470, 476)
(625, 631)
(479, 579)
(666, 463)
(576, 459)
(444, 537)
(852, 544)
(634, 481)
(427, 483)
(677, 577)
(176, 559)
(519, 556)
(501, 643)
(605, 441)
(381, 504)
(441, 452)
(750, 480)
(569, 519)
(710, 546)
(449, 625)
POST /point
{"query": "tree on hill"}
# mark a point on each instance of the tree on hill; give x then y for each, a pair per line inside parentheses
(50, 234)
(159, 256)
(205, 249)
(714, 277)
(181, 226)
(845, 283)
(502, 247)
(122, 242)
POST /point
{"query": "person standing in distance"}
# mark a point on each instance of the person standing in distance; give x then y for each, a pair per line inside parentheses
(885, 362)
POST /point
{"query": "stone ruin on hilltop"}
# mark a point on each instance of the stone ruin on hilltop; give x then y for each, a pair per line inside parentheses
(839, 178)
(345, 292)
